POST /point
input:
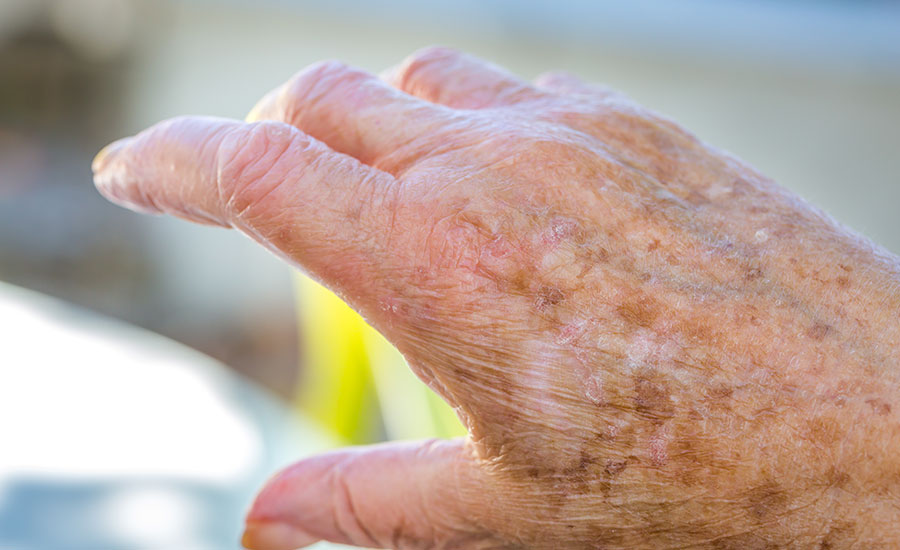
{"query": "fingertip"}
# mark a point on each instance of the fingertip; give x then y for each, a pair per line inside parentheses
(263, 535)
(106, 155)
(414, 492)
(113, 179)
(168, 168)
(290, 494)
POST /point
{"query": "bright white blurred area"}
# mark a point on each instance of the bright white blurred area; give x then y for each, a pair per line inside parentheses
(154, 515)
(112, 438)
(117, 438)
(114, 408)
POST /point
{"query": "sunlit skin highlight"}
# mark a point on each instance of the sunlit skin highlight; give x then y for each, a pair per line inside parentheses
(652, 345)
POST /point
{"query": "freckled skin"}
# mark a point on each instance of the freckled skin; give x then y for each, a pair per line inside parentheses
(652, 345)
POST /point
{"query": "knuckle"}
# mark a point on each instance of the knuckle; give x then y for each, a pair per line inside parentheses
(327, 70)
(169, 129)
(346, 513)
(324, 81)
(250, 162)
(320, 78)
(552, 76)
(427, 60)
(560, 79)
(454, 244)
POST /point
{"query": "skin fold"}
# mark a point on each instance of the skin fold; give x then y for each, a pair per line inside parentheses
(653, 346)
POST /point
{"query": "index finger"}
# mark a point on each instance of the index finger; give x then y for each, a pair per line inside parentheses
(321, 210)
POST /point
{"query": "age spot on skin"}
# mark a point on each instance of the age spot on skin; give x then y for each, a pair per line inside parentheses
(548, 296)
(601, 255)
(353, 214)
(641, 312)
(753, 273)
(579, 468)
(722, 391)
(615, 467)
(767, 500)
(837, 478)
(882, 408)
(819, 331)
(742, 541)
(823, 431)
(840, 535)
(651, 397)
(518, 283)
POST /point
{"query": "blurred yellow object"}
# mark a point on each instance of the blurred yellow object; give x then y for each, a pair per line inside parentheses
(356, 384)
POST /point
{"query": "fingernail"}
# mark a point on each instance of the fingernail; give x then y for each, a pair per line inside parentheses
(265, 535)
(107, 154)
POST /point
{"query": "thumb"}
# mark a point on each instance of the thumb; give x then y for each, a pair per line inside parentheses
(393, 495)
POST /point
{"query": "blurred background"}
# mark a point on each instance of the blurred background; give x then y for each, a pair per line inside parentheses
(807, 91)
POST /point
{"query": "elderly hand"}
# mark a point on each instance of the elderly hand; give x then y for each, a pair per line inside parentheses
(652, 345)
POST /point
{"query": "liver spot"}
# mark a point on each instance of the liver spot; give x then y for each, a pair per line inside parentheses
(840, 535)
(651, 396)
(881, 407)
(615, 467)
(767, 500)
(819, 331)
(548, 296)
(641, 311)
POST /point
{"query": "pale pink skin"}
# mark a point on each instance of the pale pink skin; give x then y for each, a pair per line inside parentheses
(652, 345)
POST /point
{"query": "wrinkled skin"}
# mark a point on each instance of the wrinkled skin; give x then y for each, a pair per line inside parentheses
(652, 345)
